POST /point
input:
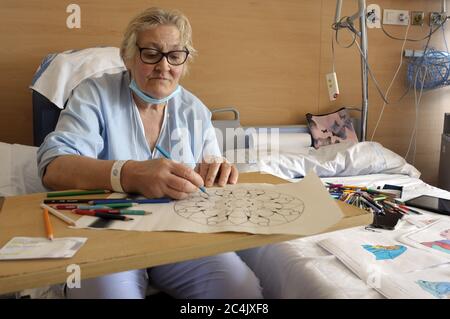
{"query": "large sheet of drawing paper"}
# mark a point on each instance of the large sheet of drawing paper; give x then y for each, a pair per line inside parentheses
(302, 208)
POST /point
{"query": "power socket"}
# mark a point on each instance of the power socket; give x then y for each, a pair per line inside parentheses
(417, 18)
(395, 17)
(437, 18)
(332, 85)
(373, 17)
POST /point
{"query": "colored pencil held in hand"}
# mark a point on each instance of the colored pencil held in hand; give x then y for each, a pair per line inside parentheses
(167, 155)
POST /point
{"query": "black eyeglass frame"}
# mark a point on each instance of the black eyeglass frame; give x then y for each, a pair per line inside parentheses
(163, 54)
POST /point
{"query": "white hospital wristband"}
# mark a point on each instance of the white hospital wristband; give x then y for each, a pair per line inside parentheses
(115, 176)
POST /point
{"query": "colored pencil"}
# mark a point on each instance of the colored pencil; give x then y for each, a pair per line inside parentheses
(48, 225)
(113, 211)
(68, 201)
(410, 210)
(61, 216)
(102, 215)
(65, 207)
(77, 193)
(125, 200)
(167, 155)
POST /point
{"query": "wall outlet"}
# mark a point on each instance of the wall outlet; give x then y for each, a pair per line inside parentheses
(437, 18)
(396, 17)
(373, 17)
(417, 18)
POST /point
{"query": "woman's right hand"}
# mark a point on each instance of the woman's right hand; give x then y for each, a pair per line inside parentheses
(160, 177)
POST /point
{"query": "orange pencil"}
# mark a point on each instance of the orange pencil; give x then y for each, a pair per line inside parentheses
(48, 225)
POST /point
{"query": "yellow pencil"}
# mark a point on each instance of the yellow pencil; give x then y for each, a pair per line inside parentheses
(48, 225)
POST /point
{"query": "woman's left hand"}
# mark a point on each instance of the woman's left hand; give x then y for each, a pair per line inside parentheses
(217, 170)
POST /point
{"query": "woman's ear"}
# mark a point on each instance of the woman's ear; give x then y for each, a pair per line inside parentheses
(129, 64)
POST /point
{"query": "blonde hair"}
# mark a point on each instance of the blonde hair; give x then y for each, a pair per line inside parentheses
(151, 18)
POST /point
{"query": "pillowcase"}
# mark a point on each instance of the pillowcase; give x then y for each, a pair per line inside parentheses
(331, 128)
(24, 177)
(18, 172)
(6, 188)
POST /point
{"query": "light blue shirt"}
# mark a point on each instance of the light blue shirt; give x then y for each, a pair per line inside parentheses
(102, 121)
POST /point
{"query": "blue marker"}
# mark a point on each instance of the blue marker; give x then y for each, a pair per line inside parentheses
(166, 155)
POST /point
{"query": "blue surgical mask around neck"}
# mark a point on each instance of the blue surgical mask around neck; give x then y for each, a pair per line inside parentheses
(147, 98)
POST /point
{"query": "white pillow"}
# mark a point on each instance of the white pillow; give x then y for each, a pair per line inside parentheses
(25, 178)
(6, 188)
(18, 170)
(59, 74)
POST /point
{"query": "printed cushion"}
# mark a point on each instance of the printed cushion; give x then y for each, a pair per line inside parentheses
(331, 128)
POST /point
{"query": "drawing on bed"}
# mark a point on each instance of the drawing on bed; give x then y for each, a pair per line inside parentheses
(240, 207)
(382, 252)
(442, 245)
(437, 289)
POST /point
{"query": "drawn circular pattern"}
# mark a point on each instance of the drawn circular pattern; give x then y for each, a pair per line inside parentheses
(240, 207)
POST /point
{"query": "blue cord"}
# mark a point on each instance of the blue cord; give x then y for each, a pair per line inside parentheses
(432, 70)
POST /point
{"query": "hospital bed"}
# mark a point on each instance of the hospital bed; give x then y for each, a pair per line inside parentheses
(294, 269)
(301, 268)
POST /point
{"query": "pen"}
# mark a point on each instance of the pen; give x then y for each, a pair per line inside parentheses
(113, 211)
(77, 193)
(166, 155)
(48, 225)
(102, 215)
(61, 216)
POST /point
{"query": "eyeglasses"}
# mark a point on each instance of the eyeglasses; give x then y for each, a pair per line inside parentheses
(153, 56)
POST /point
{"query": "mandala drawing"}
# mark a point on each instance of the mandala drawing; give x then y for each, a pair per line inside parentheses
(240, 207)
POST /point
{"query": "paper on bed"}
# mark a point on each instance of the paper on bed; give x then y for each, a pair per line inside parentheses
(434, 237)
(303, 208)
(367, 253)
(432, 283)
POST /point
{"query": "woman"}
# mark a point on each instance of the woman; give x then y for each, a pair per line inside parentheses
(106, 138)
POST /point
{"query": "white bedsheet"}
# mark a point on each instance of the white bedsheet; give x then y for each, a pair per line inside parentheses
(301, 269)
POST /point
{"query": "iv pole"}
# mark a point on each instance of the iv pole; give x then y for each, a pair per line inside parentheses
(361, 14)
(364, 70)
